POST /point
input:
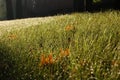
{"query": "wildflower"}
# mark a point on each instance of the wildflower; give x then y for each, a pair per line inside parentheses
(61, 52)
(64, 53)
(43, 60)
(68, 28)
(47, 60)
(67, 52)
(50, 56)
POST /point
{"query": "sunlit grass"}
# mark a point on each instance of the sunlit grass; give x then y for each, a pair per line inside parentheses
(80, 46)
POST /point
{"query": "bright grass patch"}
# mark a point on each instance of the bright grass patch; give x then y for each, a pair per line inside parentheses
(79, 46)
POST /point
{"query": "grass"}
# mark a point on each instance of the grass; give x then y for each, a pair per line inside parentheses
(78, 46)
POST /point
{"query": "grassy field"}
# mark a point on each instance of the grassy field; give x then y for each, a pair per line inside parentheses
(78, 46)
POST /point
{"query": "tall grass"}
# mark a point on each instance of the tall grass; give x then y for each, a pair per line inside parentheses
(80, 46)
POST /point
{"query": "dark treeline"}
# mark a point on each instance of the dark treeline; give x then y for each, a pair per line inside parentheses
(31, 8)
(101, 5)
(9, 9)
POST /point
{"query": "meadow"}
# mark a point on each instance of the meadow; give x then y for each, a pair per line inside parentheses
(77, 46)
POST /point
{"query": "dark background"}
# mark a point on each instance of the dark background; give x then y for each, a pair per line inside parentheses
(24, 10)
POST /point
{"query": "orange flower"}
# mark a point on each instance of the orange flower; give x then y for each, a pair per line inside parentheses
(64, 53)
(43, 60)
(50, 56)
(67, 52)
(68, 28)
(47, 60)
